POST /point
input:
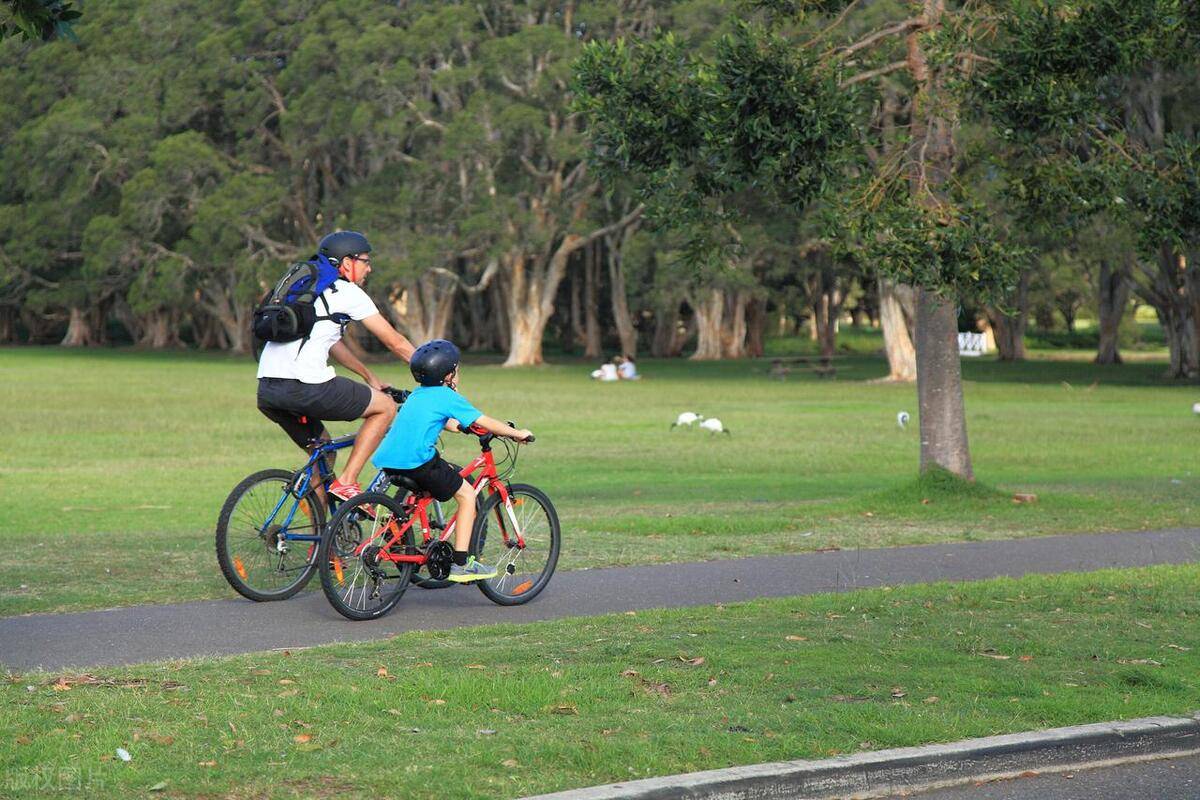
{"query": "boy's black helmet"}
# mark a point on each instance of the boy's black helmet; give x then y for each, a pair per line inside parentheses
(433, 361)
(339, 244)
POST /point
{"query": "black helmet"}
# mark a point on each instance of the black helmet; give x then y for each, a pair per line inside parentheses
(433, 361)
(339, 244)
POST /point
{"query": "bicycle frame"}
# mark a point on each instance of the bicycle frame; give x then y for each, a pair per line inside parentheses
(486, 463)
(302, 480)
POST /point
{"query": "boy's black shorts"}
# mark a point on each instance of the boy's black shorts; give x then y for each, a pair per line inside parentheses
(437, 476)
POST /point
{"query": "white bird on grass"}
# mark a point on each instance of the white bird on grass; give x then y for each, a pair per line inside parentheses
(687, 418)
(713, 424)
(1196, 408)
(902, 419)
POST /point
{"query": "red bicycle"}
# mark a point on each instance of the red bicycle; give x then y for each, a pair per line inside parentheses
(368, 560)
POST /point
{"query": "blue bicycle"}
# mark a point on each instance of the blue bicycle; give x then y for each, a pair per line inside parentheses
(269, 530)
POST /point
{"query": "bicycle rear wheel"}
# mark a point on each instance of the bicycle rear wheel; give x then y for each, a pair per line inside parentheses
(255, 557)
(523, 571)
(358, 583)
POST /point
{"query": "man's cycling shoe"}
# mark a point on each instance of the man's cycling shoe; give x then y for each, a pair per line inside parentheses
(348, 491)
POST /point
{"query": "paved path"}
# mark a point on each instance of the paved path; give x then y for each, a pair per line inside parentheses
(219, 627)
(1175, 778)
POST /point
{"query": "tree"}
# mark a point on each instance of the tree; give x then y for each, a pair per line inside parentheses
(763, 113)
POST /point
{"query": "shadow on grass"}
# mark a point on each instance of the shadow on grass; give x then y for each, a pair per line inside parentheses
(1077, 374)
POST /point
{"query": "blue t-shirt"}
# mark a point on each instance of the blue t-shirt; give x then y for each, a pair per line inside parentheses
(409, 443)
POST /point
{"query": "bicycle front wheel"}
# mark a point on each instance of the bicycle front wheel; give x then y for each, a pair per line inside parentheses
(253, 549)
(359, 580)
(523, 572)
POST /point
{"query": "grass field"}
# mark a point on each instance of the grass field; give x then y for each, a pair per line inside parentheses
(526, 709)
(117, 462)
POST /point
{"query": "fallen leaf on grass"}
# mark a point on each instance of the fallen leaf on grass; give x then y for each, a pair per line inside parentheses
(692, 662)
(1180, 648)
(382, 672)
(288, 682)
(996, 656)
(931, 699)
(510, 762)
(568, 710)
(898, 692)
(793, 638)
(663, 689)
(476, 666)
(288, 693)
(302, 738)
(1024, 497)
(23, 740)
(1025, 658)
(158, 787)
(206, 763)
(486, 732)
(630, 673)
(849, 698)
(1147, 661)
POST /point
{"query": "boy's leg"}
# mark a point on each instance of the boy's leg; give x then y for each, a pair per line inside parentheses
(466, 568)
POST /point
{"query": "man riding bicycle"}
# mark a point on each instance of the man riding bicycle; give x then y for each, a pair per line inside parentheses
(298, 389)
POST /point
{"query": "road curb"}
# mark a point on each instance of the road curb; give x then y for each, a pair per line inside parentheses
(885, 772)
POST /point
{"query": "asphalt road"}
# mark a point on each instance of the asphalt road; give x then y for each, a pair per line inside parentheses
(1168, 779)
(220, 627)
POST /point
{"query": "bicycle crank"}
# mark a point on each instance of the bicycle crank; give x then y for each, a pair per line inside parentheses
(439, 556)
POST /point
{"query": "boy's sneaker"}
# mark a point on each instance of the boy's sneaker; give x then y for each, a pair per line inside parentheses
(472, 571)
(348, 491)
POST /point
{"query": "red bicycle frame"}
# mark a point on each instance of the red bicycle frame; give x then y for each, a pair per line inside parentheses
(418, 505)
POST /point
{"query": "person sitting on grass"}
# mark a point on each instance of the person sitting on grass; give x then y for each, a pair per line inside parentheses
(408, 448)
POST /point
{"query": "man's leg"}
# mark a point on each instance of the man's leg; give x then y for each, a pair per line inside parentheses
(376, 421)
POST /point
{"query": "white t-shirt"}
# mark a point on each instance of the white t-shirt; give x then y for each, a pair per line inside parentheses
(608, 371)
(627, 369)
(310, 363)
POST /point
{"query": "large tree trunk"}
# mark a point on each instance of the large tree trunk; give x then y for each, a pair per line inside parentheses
(1009, 329)
(421, 308)
(1113, 292)
(1165, 287)
(709, 309)
(939, 377)
(939, 388)
(733, 335)
(8, 326)
(79, 329)
(897, 314)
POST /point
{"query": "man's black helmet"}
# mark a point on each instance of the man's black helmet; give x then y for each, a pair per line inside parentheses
(433, 361)
(339, 244)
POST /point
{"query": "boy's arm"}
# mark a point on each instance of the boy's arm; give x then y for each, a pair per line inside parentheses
(341, 354)
(501, 429)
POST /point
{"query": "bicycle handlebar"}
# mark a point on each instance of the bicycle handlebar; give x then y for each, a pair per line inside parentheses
(475, 430)
(399, 395)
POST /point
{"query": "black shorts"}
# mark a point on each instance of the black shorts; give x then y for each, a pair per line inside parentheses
(437, 476)
(300, 408)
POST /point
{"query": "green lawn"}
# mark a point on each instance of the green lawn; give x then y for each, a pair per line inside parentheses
(536, 708)
(117, 462)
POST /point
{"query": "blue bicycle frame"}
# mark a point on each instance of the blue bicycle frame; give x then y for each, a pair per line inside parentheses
(302, 480)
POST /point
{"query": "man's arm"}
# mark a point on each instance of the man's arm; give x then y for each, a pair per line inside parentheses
(341, 353)
(391, 338)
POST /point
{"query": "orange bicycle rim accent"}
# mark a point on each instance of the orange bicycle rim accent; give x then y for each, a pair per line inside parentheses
(337, 571)
(522, 588)
(241, 569)
(304, 509)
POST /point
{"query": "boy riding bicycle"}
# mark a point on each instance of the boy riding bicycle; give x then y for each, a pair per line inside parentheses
(408, 447)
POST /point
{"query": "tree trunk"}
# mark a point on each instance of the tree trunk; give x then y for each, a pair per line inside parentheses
(421, 308)
(709, 310)
(733, 335)
(666, 323)
(79, 329)
(896, 316)
(578, 335)
(827, 296)
(1009, 329)
(592, 346)
(8, 326)
(939, 377)
(622, 319)
(1113, 299)
(939, 388)
(756, 322)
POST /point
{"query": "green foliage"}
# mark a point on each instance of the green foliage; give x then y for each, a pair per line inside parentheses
(1166, 196)
(38, 20)
(1052, 56)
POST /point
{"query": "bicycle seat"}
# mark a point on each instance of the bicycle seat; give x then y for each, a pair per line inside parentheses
(403, 481)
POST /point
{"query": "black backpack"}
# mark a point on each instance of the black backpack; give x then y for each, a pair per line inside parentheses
(289, 311)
